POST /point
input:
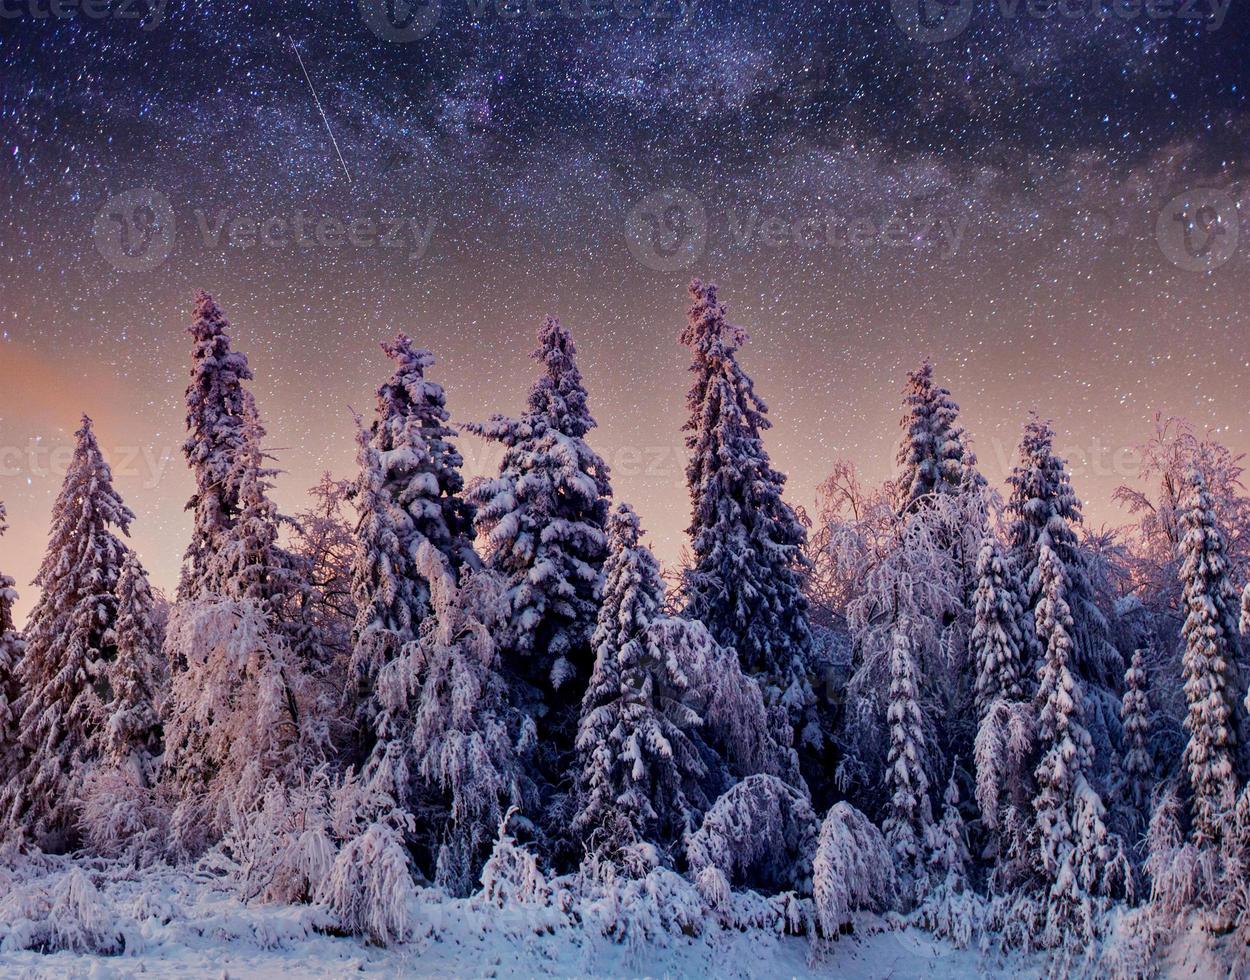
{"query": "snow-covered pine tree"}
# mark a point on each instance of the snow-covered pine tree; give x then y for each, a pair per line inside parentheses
(1043, 511)
(239, 666)
(949, 909)
(11, 646)
(745, 580)
(136, 678)
(544, 520)
(1080, 862)
(444, 748)
(639, 759)
(219, 410)
(1210, 665)
(998, 630)
(908, 811)
(932, 457)
(408, 492)
(1136, 767)
(70, 645)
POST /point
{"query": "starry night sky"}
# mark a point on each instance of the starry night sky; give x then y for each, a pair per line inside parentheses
(863, 196)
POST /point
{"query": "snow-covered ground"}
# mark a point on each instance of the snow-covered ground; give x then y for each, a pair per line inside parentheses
(174, 924)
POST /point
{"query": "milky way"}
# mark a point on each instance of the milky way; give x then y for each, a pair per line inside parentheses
(1042, 198)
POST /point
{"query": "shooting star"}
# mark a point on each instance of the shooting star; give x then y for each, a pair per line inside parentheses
(317, 102)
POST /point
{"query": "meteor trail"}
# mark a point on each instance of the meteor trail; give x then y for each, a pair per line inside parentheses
(317, 101)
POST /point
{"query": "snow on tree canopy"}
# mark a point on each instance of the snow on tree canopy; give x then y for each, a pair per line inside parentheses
(1081, 863)
(762, 833)
(444, 748)
(852, 869)
(69, 647)
(236, 716)
(219, 410)
(640, 757)
(1210, 664)
(908, 811)
(1043, 510)
(408, 493)
(133, 730)
(998, 632)
(745, 581)
(932, 457)
(543, 519)
(1137, 767)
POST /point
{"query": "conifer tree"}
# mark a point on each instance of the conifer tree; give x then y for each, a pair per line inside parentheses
(409, 492)
(997, 637)
(1044, 512)
(444, 749)
(908, 812)
(932, 457)
(543, 518)
(639, 754)
(1080, 861)
(69, 649)
(11, 647)
(219, 412)
(1137, 768)
(1210, 664)
(745, 581)
(133, 728)
(239, 665)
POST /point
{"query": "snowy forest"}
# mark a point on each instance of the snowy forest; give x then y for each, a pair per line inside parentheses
(933, 707)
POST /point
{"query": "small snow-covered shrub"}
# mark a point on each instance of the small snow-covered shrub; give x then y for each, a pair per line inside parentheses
(760, 834)
(852, 869)
(67, 913)
(121, 817)
(370, 889)
(280, 850)
(642, 911)
(511, 875)
(81, 919)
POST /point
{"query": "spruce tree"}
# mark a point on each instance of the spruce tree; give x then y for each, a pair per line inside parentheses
(133, 727)
(932, 458)
(1079, 860)
(640, 765)
(444, 749)
(745, 580)
(219, 411)
(997, 639)
(1210, 664)
(543, 518)
(908, 810)
(409, 492)
(70, 647)
(1136, 767)
(1045, 512)
(11, 647)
